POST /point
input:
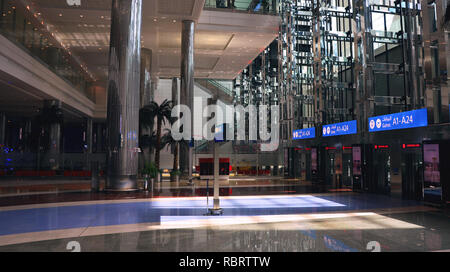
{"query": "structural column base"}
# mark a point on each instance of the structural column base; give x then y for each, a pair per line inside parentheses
(213, 212)
(121, 183)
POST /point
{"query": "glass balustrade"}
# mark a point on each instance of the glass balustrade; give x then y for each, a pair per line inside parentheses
(19, 25)
(250, 6)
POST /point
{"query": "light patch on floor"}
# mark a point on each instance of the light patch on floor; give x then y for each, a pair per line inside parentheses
(260, 202)
(325, 221)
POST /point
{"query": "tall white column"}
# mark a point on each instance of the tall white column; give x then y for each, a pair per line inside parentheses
(187, 88)
(123, 95)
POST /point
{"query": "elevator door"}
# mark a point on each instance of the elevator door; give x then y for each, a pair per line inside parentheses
(382, 172)
(412, 178)
(298, 164)
(307, 157)
(303, 164)
(347, 170)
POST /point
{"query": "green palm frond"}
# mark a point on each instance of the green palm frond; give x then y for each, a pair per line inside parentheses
(168, 141)
(165, 111)
(147, 115)
(152, 110)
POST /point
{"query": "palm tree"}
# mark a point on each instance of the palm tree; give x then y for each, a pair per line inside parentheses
(162, 113)
(168, 141)
(147, 137)
(146, 143)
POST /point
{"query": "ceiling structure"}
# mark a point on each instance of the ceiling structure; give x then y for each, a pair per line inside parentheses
(225, 41)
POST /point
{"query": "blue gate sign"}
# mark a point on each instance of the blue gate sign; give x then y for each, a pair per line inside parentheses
(344, 128)
(306, 133)
(402, 120)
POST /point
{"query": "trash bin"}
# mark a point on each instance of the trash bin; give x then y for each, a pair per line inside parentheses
(95, 178)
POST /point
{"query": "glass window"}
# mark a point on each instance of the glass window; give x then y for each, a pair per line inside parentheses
(432, 16)
(378, 21)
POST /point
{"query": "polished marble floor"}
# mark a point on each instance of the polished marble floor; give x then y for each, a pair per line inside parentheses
(291, 219)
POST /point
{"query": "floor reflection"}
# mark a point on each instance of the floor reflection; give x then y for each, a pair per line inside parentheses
(413, 231)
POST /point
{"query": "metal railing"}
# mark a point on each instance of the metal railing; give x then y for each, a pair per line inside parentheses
(269, 7)
(39, 43)
(220, 86)
(211, 83)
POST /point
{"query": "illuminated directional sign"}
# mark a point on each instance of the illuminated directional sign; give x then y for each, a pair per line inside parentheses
(402, 120)
(306, 133)
(344, 128)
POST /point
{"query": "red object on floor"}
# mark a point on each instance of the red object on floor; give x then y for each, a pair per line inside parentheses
(34, 173)
(77, 173)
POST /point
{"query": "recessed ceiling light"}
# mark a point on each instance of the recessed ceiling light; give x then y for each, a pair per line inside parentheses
(81, 16)
(60, 15)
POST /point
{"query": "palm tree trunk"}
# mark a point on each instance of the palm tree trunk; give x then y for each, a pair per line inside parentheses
(175, 157)
(147, 155)
(158, 142)
(151, 153)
